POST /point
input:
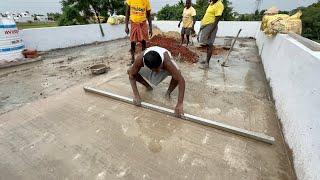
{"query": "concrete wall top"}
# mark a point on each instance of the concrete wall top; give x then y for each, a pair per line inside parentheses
(44, 39)
(316, 54)
(226, 28)
(294, 71)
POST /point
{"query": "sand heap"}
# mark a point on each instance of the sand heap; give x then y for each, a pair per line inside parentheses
(173, 45)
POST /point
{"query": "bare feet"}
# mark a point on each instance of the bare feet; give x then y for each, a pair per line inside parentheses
(137, 101)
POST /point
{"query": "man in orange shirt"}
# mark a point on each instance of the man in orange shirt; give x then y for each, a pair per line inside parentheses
(138, 12)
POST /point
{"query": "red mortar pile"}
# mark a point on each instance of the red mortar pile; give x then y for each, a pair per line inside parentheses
(174, 47)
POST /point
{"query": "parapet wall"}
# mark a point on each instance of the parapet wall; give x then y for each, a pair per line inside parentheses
(294, 71)
(44, 39)
(226, 28)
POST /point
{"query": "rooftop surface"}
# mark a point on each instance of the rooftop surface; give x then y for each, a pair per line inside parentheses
(50, 128)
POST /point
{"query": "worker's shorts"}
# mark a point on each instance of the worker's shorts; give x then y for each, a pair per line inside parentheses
(205, 37)
(186, 31)
(153, 77)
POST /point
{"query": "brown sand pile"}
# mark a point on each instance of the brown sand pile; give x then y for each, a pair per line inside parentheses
(170, 34)
(174, 47)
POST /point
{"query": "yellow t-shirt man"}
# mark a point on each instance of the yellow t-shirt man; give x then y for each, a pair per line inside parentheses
(187, 17)
(138, 10)
(212, 12)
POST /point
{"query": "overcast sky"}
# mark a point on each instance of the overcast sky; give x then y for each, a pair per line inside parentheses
(242, 6)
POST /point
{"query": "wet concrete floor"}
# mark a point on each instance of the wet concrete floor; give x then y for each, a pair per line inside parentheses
(70, 134)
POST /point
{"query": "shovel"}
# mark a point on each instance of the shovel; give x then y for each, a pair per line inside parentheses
(227, 56)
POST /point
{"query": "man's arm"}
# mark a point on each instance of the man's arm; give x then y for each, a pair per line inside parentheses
(149, 22)
(194, 18)
(177, 76)
(194, 22)
(127, 18)
(133, 72)
(179, 23)
(215, 24)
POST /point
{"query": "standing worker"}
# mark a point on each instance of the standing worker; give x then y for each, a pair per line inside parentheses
(138, 12)
(209, 28)
(188, 19)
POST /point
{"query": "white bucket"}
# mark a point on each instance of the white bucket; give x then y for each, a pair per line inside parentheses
(11, 45)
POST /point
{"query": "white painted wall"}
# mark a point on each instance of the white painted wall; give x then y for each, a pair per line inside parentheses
(294, 72)
(226, 28)
(44, 39)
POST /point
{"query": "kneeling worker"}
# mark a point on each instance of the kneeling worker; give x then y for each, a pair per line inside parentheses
(155, 64)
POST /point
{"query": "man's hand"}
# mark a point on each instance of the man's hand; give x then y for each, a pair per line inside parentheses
(198, 35)
(179, 110)
(127, 30)
(150, 32)
(137, 101)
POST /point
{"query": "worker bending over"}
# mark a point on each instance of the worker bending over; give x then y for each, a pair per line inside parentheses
(155, 64)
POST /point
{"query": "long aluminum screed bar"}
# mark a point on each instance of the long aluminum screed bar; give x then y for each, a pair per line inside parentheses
(242, 132)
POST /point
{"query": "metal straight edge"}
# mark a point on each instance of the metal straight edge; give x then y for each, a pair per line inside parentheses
(238, 131)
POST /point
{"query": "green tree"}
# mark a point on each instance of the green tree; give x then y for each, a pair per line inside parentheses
(228, 11)
(53, 16)
(175, 12)
(83, 11)
(71, 16)
(117, 7)
(171, 12)
(256, 16)
(311, 22)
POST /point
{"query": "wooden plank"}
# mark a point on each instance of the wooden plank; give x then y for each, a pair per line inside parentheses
(314, 46)
(242, 132)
